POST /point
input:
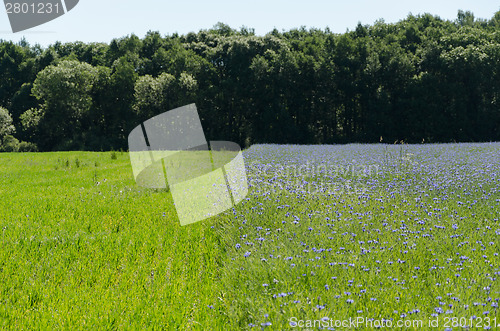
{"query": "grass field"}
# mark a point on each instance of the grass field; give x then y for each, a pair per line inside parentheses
(395, 232)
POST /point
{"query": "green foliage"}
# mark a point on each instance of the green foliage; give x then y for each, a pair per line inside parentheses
(422, 78)
(6, 127)
(495, 20)
(465, 18)
(25, 147)
(152, 95)
(64, 91)
(9, 144)
(30, 120)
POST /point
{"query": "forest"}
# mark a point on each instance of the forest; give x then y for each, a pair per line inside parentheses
(420, 80)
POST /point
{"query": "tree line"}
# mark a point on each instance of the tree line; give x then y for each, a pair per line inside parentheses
(423, 79)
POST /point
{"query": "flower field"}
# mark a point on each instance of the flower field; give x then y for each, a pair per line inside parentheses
(378, 233)
(398, 232)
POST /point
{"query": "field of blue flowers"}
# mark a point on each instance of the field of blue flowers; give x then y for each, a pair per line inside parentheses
(380, 233)
(328, 236)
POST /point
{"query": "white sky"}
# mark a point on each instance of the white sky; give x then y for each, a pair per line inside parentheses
(103, 20)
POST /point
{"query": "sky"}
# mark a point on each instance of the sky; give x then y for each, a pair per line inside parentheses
(103, 20)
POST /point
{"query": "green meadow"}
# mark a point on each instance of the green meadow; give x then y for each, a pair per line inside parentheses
(83, 247)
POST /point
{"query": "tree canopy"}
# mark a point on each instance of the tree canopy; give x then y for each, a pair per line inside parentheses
(421, 79)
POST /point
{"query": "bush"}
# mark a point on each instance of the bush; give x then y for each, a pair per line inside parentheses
(9, 144)
(26, 147)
